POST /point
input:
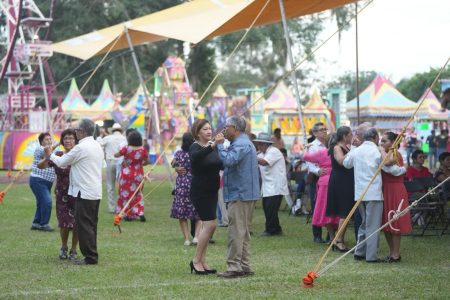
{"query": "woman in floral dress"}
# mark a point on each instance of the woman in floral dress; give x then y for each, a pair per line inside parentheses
(131, 176)
(182, 207)
(65, 204)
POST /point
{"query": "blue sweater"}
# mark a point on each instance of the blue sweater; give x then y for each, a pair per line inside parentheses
(241, 174)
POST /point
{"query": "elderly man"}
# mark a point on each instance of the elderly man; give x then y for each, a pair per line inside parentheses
(274, 182)
(85, 160)
(241, 190)
(314, 172)
(365, 160)
(111, 144)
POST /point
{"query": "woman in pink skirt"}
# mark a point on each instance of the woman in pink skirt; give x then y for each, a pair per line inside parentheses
(322, 159)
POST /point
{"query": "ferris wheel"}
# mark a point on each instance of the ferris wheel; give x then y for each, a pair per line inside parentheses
(24, 60)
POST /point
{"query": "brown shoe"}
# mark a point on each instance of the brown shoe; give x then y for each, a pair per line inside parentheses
(248, 273)
(230, 274)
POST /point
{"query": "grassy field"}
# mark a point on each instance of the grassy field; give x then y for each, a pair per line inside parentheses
(149, 261)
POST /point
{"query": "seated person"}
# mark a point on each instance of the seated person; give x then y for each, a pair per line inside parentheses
(444, 171)
(417, 170)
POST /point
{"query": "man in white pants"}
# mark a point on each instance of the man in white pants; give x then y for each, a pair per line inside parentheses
(111, 145)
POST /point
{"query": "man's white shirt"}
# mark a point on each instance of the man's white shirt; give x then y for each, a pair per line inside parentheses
(274, 181)
(85, 160)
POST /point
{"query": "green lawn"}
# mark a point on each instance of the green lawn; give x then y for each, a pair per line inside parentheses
(149, 261)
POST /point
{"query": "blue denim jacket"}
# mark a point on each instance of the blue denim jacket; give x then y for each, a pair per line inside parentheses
(241, 174)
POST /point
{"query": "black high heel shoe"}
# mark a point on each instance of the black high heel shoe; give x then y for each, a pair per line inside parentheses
(193, 269)
(211, 271)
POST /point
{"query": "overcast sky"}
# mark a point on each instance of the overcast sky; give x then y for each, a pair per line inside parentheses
(396, 37)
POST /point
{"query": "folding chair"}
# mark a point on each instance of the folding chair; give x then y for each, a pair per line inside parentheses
(429, 212)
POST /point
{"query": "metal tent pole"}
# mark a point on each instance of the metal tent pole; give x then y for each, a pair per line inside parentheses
(293, 75)
(153, 113)
(357, 63)
(48, 105)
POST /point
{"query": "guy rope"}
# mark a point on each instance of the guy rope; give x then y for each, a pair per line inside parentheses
(308, 279)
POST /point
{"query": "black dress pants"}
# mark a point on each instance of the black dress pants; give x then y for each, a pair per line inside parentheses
(271, 205)
(317, 230)
(86, 217)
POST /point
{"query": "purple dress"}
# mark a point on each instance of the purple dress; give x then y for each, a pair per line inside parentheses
(182, 207)
(65, 204)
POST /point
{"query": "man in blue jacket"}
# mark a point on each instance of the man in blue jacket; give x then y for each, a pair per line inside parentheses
(241, 190)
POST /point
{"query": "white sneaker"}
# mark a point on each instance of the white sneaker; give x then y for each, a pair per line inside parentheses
(187, 242)
(194, 241)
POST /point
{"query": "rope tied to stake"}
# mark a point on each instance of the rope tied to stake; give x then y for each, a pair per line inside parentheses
(308, 280)
(10, 185)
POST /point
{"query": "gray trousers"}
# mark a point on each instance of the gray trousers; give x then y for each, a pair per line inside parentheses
(240, 215)
(111, 172)
(371, 214)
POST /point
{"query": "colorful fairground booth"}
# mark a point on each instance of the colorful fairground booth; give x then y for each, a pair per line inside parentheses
(430, 116)
(175, 100)
(382, 105)
(282, 112)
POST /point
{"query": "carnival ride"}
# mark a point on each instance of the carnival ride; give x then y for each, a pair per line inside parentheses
(25, 66)
(26, 104)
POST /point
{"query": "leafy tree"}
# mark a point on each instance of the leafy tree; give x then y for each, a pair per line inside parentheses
(74, 18)
(348, 81)
(414, 87)
(264, 52)
(201, 67)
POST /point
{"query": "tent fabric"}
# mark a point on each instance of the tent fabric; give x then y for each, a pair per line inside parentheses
(133, 104)
(381, 99)
(316, 104)
(191, 21)
(220, 92)
(204, 19)
(74, 103)
(281, 99)
(101, 41)
(431, 108)
(105, 100)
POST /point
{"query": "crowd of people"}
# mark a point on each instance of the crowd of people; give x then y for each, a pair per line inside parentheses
(224, 174)
(78, 191)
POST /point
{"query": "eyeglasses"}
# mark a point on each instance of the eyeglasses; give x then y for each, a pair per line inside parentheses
(322, 129)
(66, 138)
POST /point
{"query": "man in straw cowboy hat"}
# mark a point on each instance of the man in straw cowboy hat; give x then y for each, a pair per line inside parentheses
(111, 145)
(274, 182)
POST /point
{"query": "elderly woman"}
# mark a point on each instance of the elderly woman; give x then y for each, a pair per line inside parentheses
(394, 192)
(131, 175)
(182, 208)
(206, 166)
(65, 204)
(417, 170)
